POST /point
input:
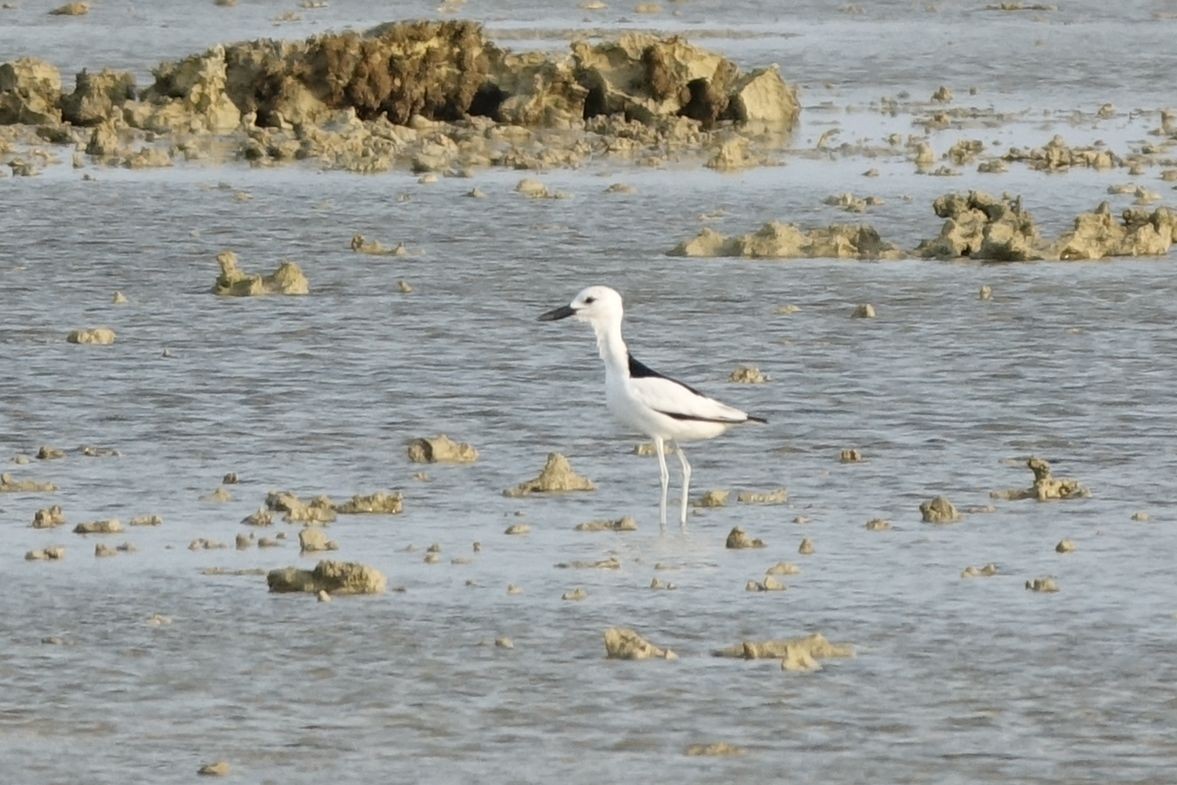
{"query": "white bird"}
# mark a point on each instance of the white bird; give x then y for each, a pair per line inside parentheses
(664, 409)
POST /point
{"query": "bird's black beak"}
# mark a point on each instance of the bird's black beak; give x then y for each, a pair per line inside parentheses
(563, 312)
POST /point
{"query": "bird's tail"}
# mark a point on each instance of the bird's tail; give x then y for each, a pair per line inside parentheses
(754, 418)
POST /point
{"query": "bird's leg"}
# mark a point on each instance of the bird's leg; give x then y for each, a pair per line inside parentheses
(686, 483)
(665, 476)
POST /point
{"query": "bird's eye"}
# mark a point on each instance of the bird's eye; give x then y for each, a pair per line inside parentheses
(589, 300)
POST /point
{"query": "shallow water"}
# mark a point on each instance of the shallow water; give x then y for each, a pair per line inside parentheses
(955, 680)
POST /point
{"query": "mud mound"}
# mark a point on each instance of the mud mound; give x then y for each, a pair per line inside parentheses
(432, 69)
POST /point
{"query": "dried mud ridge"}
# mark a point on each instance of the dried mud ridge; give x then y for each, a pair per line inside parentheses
(976, 226)
(433, 96)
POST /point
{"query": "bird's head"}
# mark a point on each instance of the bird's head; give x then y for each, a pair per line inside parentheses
(596, 305)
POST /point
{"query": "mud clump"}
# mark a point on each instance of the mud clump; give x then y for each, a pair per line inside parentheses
(708, 243)
(107, 142)
(188, 95)
(648, 450)
(1045, 585)
(786, 241)
(799, 659)
(624, 644)
(623, 524)
(768, 584)
(218, 768)
(55, 553)
(851, 203)
(313, 540)
(234, 282)
(205, 544)
(399, 70)
(647, 78)
(775, 496)
(441, 449)
(332, 577)
(360, 244)
(29, 92)
(379, 503)
(9, 484)
(48, 517)
(795, 654)
(713, 498)
(71, 9)
(731, 154)
(534, 189)
(98, 336)
(97, 97)
(319, 510)
(1046, 487)
(1057, 155)
(557, 476)
(738, 539)
(259, 517)
(747, 374)
(102, 550)
(109, 526)
(1098, 235)
(985, 571)
(939, 510)
(980, 226)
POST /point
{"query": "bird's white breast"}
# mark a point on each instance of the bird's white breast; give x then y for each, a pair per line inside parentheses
(623, 406)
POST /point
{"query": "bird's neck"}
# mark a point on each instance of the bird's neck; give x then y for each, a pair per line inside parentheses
(612, 348)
